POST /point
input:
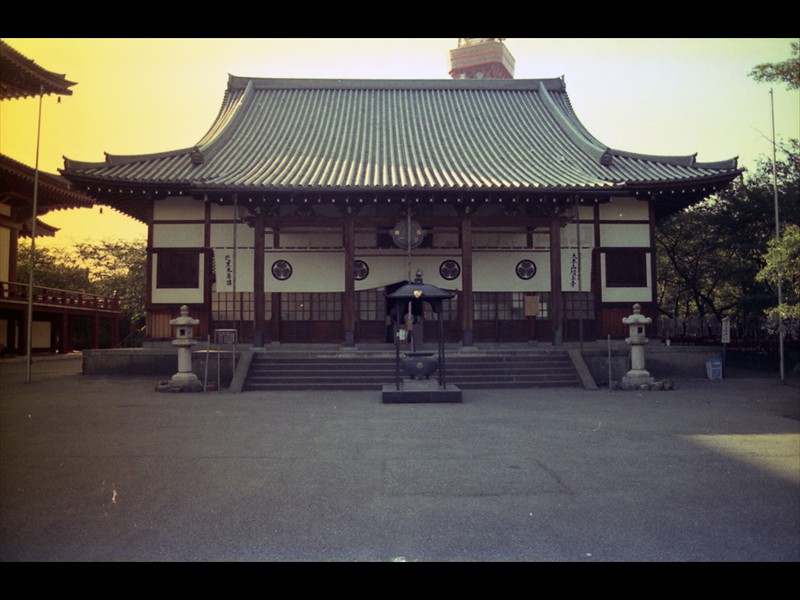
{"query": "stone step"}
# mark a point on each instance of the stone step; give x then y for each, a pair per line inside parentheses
(519, 370)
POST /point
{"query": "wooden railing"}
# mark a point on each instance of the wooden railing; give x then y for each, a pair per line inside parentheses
(18, 292)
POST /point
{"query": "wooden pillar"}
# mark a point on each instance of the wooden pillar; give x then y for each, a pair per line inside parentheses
(349, 300)
(115, 331)
(96, 330)
(556, 297)
(66, 338)
(653, 270)
(466, 281)
(11, 333)
(13, 253)
(258, 282)
(275, 322)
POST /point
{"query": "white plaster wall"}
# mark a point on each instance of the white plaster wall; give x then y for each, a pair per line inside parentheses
(625, 234)
(312, 239)
(570, 269)
(179, 208)
(569, 235)
(624, 208)
(499, 239)
(311, 271)
(496, 272)
(226, 268)
(174, 235)
(445, 239)
(222, 235)
(366, 239)
(324, 271)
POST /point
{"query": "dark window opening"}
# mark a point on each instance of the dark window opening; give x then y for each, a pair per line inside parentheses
(178, 270)
(626, 268)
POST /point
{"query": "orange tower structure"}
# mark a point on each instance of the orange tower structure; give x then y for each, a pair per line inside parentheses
(481, 58)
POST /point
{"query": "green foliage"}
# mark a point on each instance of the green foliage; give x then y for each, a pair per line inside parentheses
(118, 268)
(106, 268)
(55, 268)
(710, 256)
(787, 72)
(783, 265)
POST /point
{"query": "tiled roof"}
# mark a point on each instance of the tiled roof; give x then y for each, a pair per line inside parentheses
(23, 78)
(296, 135)
(54, 193)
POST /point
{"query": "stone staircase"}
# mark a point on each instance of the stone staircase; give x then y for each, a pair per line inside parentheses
(371, 371)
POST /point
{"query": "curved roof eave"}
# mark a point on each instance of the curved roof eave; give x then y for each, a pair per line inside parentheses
(23, 78)
(588, 165)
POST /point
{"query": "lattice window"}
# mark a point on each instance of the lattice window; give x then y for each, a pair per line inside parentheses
(371, 305)
(499, 306)
(579, 305)
(232, 306)
(311, 306)
(449, 310)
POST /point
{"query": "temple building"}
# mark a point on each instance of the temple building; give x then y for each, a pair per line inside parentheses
(309, 200)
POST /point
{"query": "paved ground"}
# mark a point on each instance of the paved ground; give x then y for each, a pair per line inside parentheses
(108, 469)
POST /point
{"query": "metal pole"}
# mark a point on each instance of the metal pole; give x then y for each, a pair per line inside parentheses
(29, 342)
(442, 371)
(580, 289)
(777, 235)
(235, 221)
(208, 350)
(409, 318)
(609, 363)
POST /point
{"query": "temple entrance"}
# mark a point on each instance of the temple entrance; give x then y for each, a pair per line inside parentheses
(500, 317)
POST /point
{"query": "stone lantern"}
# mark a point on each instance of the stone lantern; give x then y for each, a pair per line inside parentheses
(638, 375)
(184, 379)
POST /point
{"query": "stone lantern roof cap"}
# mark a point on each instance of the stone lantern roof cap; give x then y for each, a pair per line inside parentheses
(184, 319)
(637, 318)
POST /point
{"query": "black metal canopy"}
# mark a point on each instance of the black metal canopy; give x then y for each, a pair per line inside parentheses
(415, 293)
(419, 290)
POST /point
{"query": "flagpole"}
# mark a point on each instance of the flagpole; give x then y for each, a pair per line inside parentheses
(29, 340)
(777, 234)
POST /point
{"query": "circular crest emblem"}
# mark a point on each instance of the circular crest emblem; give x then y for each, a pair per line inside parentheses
(449, 270)
(281, 270)
(361, 270)
(526, 269)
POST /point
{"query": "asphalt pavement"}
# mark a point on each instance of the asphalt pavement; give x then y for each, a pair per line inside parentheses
(99, 468)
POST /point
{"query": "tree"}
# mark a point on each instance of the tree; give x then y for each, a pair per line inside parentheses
(714, 272)
(105, 268)
(55, 268)
(783, 265)
(787, 72)
(118, 269)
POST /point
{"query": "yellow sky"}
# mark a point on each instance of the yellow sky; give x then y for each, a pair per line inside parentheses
(134, 96)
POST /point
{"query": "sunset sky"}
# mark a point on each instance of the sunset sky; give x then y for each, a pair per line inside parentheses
(134, 96)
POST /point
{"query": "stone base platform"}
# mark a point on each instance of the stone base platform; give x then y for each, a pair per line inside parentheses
(416, 391)
(180, 384)
(645, 383)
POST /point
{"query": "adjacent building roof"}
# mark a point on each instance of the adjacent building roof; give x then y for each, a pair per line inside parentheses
(278, 136)
(16, 191)
(23, 78)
